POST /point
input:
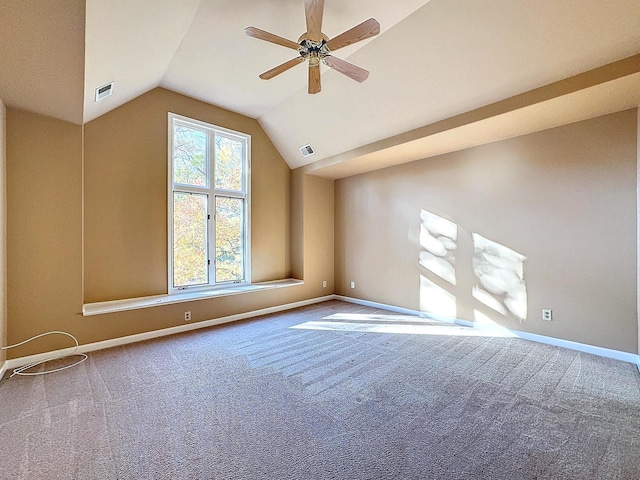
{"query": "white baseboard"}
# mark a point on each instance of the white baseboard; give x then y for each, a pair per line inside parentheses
(115, 342)
(558, 342)
(90, 347)
(381, 306)
(581, 347)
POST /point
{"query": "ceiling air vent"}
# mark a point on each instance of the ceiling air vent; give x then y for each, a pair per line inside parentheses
(104, 91)
(307, 151)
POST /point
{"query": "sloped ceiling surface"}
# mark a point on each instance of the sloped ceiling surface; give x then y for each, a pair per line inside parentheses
(130, 43)
(218, 63)
(433, 60)
(42, 56)
(451, 57)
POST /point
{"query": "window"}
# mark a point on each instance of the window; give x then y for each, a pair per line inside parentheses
(208, 205)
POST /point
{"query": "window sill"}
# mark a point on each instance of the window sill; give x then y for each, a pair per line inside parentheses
(113, 306)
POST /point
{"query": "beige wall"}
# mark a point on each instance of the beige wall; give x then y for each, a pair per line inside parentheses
(564, 198)
(297, 224)
(44, 234)
(312, 229)
(318, 232)
(3, 231)
(125, 222)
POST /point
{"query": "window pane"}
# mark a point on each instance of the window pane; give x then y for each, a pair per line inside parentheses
(229, 160)
(229, 239)
(189, 239)
(189, 156)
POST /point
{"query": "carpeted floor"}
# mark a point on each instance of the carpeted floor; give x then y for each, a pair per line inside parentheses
(333, 398)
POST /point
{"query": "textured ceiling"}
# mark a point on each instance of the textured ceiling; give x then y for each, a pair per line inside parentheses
(433, 60)
(42, 56)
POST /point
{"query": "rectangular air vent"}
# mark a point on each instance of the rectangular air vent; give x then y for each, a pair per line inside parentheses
(104, 91)
(307, 150)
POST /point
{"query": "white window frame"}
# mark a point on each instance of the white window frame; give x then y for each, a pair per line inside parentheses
(212, 192)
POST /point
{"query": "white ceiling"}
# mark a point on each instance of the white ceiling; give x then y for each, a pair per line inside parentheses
(216, 62)
(433, 60)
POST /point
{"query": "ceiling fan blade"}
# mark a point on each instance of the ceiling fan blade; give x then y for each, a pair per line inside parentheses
(313, 13)
(281, 68)
(349, 69)
(314, 78)
(270, 37)
(368, 28)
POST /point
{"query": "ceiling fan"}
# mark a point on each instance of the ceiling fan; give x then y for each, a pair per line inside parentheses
(316, 47)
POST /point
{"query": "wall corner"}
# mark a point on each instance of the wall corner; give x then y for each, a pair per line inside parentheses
(638, 225)
(3, 234)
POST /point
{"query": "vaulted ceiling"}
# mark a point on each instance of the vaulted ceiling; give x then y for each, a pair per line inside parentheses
(434, 60)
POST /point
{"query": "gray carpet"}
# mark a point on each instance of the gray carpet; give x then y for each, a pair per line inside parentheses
(261, 400)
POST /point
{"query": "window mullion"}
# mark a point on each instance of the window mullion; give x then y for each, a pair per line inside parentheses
(189, 189)
(211, 232)
(229, 193)
(211, 243)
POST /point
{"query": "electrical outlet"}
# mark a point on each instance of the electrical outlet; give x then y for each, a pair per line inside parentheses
(324, 284)
(353, 284)
(546, 314)
(187, 316)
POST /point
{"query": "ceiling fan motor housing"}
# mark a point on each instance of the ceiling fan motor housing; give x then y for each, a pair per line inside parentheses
(312, 50)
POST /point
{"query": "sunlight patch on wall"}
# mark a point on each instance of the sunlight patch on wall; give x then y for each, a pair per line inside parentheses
(500, 273)
(438, 242)
(486, 324)
(483, 320)
(435, 300)
(489, 300)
